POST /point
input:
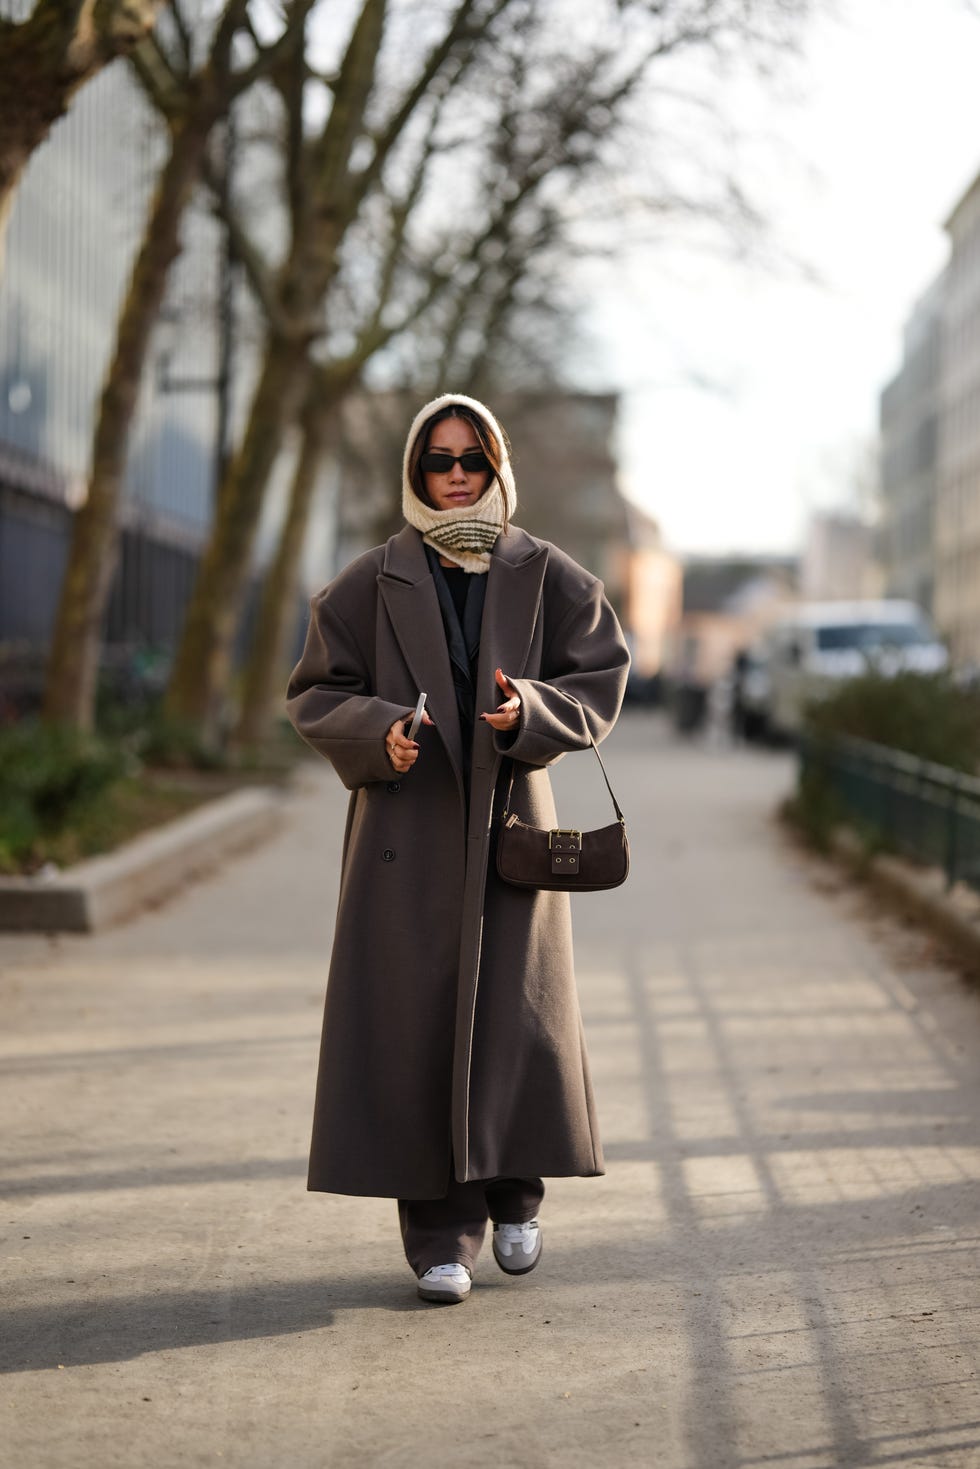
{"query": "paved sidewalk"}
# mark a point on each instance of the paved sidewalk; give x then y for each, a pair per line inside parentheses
(780, 1270)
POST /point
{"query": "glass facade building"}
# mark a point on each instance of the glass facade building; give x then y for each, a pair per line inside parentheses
(76, 224)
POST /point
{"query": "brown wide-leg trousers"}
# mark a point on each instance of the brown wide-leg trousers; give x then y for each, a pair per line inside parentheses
(450, 1230)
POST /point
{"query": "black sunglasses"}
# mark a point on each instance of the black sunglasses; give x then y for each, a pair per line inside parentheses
(472, 462)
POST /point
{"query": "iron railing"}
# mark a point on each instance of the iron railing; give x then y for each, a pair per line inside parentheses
(928, 812)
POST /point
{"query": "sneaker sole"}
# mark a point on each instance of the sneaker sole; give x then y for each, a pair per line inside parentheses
(525, 1269)
(443, 1297)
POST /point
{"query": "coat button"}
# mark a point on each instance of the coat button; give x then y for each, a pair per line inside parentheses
(393, 787)
(387, 855)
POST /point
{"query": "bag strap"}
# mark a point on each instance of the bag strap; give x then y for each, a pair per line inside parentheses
(619, 815)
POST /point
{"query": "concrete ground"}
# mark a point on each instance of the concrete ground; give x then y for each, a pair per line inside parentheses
(779, 1271)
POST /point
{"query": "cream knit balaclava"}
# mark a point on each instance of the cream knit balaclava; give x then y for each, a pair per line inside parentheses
(465, 536)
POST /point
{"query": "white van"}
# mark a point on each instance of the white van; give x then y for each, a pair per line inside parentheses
(819, 644)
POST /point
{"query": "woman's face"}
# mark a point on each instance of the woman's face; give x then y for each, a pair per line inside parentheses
(455, 487)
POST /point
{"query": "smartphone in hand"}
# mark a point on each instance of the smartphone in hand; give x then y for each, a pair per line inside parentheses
(413, 728)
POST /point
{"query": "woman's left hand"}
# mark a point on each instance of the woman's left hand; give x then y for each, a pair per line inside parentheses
(507, 716)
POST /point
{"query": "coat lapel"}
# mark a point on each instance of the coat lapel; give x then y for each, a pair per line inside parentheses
(513, 594)
(514, 583)
(410, 597)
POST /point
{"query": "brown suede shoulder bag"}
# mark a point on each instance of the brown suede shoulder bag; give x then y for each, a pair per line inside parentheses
(564, 858)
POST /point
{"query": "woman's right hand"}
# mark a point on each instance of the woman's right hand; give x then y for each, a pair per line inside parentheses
(402, 752)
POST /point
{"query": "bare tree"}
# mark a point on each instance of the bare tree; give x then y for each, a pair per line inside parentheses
(43, 62)
(401, 284)
(484, 292)
(328, 185)
(194, 97)
(328, 384)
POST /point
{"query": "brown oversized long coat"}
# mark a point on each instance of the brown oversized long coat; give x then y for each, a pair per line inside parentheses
(452, 1035)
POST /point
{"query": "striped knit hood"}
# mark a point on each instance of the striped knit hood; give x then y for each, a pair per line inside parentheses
(465, 536)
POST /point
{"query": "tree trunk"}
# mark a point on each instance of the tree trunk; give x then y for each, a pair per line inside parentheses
(43, 62)
(70, 686)
(334, 195)
(203, 663)
(198, 683)
(275, 619)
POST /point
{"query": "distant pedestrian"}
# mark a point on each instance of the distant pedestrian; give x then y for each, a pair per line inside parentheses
(737, 710)
(452, 1075)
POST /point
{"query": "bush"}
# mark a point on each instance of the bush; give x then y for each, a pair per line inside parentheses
(927, 715)
(169, 744)
(50, 778)
(814, 809)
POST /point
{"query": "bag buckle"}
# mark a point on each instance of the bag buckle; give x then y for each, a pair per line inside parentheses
(565, 846)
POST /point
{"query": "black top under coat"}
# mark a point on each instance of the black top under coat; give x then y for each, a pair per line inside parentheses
(461, 598)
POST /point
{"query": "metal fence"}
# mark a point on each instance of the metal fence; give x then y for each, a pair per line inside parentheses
(154, 577)
(927, 812)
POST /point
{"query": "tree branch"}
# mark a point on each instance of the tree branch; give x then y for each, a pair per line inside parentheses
(183, 34)
(269, 57)
(260, 274)
(459, 30)
(164, 88)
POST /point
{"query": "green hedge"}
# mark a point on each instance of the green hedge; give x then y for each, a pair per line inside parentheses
(51, 778)
(65, 796)
(927, 715)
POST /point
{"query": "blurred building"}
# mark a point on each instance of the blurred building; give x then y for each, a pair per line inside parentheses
(654, 595)
(727, 603)
(957, 519)
(930, 447)
(839, 558)
(76, 223)
(564, 463)
(909, 456)
(568, 479)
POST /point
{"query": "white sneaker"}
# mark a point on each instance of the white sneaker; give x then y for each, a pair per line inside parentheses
(517, 1247)
(449, 1284)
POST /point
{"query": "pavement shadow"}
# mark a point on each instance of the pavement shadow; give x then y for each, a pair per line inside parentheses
(184, 1051)
(915, 1117)
(113, 1329)
(822, 1254)
(152, 1175)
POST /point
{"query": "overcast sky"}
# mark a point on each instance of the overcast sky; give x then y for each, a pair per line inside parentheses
(858, 160)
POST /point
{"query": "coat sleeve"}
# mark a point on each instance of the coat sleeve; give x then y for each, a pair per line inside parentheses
(331, 704)
(584, 668)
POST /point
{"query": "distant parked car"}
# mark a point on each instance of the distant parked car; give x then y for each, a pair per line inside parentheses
(820, 644)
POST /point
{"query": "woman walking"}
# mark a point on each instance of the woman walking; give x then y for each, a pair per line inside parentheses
(453, 1075)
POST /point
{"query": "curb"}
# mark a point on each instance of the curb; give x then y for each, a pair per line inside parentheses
(107, 889)
(953, 914)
